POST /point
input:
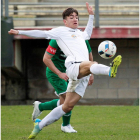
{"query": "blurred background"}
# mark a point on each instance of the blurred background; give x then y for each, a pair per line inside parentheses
(23, 73)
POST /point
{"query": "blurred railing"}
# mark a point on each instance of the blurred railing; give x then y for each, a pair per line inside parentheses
(48, 12)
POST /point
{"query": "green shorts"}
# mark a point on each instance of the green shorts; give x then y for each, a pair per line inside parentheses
(58, 84)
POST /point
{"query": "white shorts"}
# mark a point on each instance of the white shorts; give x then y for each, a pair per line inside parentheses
(72, 69)
(79, 86)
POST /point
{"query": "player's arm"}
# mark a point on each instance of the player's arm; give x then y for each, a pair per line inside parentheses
(31, 33)
(48, 62)
(51, 34)
(88, 30)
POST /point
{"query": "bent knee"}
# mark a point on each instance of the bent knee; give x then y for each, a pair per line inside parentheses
(95, 62)
(67, 108)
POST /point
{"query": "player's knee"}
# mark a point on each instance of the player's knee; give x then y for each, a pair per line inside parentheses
(94, 62)
(68, 108)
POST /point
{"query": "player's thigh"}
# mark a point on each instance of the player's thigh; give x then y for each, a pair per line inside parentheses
(84, 68)
(58, 84)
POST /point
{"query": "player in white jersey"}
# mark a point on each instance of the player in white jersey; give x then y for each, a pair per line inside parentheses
(78, 67)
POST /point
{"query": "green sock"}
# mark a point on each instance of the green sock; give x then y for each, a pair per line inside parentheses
(66, 118)
(48, 105)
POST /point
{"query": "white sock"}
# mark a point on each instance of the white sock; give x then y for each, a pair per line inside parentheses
(99, 69)
(53, 116)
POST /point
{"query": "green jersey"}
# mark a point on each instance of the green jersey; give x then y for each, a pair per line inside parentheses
(58, 56)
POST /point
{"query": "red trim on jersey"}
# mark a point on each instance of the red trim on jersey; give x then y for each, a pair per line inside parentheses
(51, 50)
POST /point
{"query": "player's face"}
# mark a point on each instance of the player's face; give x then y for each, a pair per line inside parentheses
(71, 21)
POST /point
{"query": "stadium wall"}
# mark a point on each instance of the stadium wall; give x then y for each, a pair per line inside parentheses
(33, 84)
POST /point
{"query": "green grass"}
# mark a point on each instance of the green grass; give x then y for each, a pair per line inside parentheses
(91, 122)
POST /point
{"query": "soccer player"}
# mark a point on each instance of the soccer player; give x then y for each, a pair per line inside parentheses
(78, 67)
(54, 58)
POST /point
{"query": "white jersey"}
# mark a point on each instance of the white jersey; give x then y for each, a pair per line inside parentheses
(71, 41)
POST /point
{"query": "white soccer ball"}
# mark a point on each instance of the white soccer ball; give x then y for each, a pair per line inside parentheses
(107, 49)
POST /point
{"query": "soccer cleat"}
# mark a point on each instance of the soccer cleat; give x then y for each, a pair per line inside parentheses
(35, 131)
(114, 65)
(68, 129)
(36, 111)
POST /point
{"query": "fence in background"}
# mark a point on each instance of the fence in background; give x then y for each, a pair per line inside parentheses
(48, 12)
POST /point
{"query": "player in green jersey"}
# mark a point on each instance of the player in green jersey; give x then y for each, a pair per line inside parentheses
(54, 59)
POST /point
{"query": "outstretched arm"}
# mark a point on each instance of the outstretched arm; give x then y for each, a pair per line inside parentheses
(89, 27)
(51, 34)
(31, 33)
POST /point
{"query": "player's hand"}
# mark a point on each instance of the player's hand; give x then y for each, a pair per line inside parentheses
(13, 32)
(91, 80)
(63, 76)
(89, 9)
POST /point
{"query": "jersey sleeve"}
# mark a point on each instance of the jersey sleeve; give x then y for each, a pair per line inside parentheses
(88, 46)
(88, 30)
(51, 34)
(52, 48)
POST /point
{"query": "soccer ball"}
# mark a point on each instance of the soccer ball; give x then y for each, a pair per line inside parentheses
(107, 49)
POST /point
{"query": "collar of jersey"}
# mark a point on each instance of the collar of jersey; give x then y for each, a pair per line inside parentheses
(70, 29)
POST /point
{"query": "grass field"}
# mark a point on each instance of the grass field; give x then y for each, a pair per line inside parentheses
(91, 122)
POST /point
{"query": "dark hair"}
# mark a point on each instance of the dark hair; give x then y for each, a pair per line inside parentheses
(69, 11)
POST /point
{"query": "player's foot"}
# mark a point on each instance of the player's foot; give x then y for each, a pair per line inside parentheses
(68, 129)
(114, 65)
(36, 129)
(36, 111)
